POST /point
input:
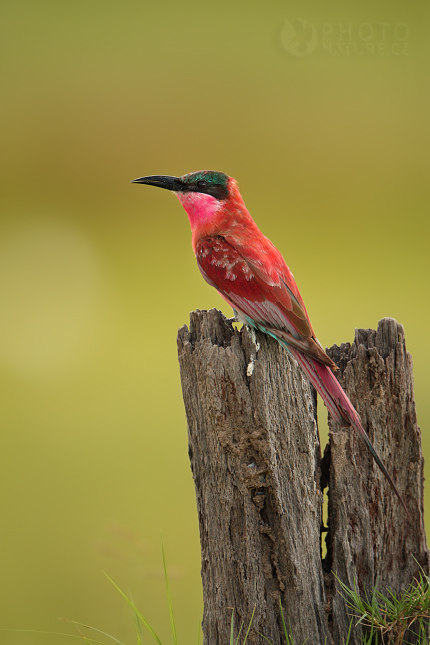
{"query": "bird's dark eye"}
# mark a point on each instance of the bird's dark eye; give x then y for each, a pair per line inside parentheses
(201, 184)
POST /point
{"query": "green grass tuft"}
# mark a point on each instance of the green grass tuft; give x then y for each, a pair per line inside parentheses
(386, 618)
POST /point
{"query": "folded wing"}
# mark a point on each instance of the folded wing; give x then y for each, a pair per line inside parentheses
(260, 296)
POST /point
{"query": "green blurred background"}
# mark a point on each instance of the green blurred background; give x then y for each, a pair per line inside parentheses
(325, 127)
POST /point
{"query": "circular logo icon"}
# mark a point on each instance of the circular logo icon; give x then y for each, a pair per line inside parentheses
(299, 37)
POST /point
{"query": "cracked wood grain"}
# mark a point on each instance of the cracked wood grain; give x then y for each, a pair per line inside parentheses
(371, 539)
(256, 462)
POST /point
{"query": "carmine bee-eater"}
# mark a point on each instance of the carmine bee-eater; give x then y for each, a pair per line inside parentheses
(252, 276)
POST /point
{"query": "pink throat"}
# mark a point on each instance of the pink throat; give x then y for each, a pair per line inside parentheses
(201, 208)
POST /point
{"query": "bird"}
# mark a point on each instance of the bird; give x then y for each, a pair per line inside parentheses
(251, 275)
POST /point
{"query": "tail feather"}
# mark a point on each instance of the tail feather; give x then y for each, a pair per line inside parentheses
(338, 404)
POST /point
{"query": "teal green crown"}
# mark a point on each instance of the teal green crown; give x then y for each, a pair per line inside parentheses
(212, 182)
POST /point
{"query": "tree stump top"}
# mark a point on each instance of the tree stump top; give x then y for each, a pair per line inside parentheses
(256, 462)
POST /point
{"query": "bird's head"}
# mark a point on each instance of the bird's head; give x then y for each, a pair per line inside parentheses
(203, 182)
(204, 194)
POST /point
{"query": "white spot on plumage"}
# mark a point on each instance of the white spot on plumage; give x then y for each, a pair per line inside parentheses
(228, 264)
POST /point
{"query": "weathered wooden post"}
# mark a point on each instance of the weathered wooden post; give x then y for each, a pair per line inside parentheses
(256, 462)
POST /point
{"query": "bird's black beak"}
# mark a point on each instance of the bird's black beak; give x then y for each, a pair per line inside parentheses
(162, 181)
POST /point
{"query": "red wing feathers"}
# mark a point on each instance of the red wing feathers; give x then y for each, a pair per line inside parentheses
(268, 302)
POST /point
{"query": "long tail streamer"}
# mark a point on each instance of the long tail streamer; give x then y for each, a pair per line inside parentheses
(338, 404)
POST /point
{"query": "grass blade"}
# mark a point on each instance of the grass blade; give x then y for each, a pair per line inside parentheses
(41, 631)
(137, 625)
(135, 609)
(169, 599)
(249, 626)
(232, 628)
(94, 629)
